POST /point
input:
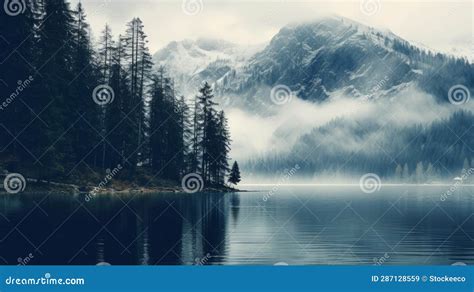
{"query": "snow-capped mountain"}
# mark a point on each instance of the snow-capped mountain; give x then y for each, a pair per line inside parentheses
(335, 56)
(326, 58)
(192, 61)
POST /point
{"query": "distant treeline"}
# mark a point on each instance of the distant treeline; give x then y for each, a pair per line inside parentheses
(70, 109)
(418, 153)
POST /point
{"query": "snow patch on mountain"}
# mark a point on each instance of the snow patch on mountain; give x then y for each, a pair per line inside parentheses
(186, 60)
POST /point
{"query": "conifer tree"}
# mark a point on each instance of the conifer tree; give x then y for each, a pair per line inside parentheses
(194, 159)
(419, 172)
(222, 142)
(234, 176)
(105, 54)
(55, 48)
(138, 62)
(205, 115)
(105, 64)
(82, 110)
(406, 173)
(157, 112)
(17, 55)
(184, 140)
(398, 172)
(118, 129)
(430, 172)
(166, 131)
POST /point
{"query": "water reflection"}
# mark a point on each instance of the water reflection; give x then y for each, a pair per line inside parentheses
(297, 225)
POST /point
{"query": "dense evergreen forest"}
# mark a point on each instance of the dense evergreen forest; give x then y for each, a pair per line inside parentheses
(72, 110)
(412, 154)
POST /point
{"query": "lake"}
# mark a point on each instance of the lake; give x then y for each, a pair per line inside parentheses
(294, 225)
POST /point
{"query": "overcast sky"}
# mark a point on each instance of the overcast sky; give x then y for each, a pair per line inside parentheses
(441, 25)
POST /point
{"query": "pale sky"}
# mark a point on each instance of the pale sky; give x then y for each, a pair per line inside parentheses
(441, 25)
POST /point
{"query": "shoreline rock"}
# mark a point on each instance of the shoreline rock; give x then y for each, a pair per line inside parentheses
(60, 188)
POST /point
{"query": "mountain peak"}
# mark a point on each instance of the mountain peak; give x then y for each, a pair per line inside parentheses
(189, 61)
(337, 27)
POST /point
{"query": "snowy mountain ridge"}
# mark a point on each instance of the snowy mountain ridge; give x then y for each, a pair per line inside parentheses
(319, 60)
(188, 60)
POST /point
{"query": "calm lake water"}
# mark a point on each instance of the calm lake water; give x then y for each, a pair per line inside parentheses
(293, 225)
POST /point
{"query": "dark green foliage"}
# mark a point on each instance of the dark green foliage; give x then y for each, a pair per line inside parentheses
(84, 134)
(53, 128)
(211, 138)
(166, 129)
(17, 40)
(234, 176)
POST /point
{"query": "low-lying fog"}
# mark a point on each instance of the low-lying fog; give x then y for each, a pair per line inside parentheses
(257, 136)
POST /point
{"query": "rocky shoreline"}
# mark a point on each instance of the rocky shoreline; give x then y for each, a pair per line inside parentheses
(37, 186)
